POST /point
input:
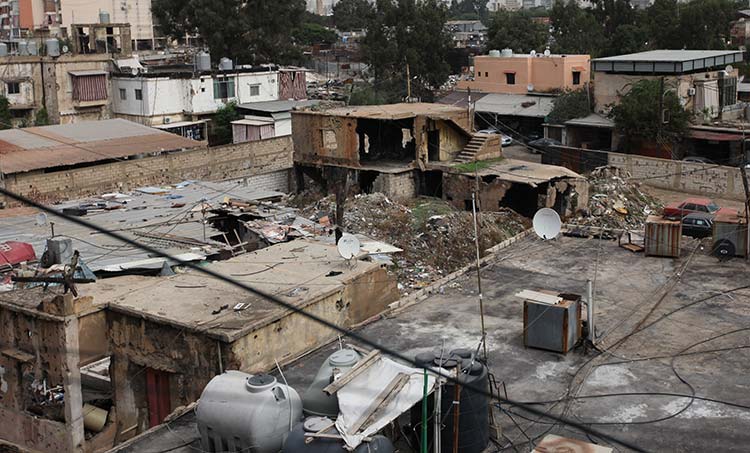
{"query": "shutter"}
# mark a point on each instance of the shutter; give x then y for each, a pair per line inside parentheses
(90, 88)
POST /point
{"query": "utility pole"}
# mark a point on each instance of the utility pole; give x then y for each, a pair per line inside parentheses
(660, 113)
(408, 83)
(743, 170)
(468, 110)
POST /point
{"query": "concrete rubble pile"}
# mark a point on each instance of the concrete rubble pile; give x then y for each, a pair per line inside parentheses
(436, 238)
(616, 201)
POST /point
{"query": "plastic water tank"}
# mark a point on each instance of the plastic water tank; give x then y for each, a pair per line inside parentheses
(506, 53)
(33, 48)
(317, 402)
(295, 442)
(23, 48)
(3, 49)
(104, 17)
(53, 47)
(225, 64)
(203, 62)
(241, 412)
(494, 53)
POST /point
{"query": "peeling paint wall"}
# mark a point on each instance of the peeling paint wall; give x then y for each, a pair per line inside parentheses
(325, 139)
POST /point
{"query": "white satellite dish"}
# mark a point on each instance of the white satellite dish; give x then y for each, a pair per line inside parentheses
(65, 49)
(348, 246)
(729, 69)
(547, 223)
(530, 87)
(41, 219)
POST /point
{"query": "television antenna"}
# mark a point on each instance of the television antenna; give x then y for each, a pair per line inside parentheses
(547, 223)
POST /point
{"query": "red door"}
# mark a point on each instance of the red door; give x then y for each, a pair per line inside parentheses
(157, 393)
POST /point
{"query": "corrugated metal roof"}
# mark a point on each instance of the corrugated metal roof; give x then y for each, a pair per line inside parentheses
(36, 148)
(254, 122)
(460, 98)
(516, 105)
(592, 120)
(669, 55)
(276, 106)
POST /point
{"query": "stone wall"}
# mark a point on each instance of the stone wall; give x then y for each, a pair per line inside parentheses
(396, 185)
(271, 158)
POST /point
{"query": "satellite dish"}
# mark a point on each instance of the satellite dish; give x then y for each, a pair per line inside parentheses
(134, 71)
(547, 223)
(729, 68)
(65, 49)
(41, 219)
(530, 87)
(348, 246)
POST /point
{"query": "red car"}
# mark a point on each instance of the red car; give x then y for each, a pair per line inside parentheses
(690, 205)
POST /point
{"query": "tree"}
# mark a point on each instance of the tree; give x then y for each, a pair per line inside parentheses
(351, 15)
(570, 104)
(222, 121)
(517, 31)
(468, 10)
(251, 31)
(6, 118)
(575, 30)
(408, 32)
(705, 24)
(662, 21)
(638, 114)
(41, 118)
(310, 33)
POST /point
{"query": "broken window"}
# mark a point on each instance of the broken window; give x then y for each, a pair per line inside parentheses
(13, 88)
(328, 137)
(386, 140)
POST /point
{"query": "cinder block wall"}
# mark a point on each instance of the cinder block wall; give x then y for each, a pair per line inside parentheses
(267, 162)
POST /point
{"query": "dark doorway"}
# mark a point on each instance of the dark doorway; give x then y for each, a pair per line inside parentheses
(521, 198)
(431, 184)
(367, 180)
(433, 145)
(157, 395)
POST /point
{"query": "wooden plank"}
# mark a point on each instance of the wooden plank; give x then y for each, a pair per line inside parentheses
(309, 437)
(383, 399)
(353, 372)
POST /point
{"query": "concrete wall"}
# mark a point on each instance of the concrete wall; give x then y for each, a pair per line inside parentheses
(135, 12)
(162, 96)
(224, 162)
(396, 185)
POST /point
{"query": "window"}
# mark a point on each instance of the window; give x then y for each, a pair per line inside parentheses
(13, 87)
(223, 88)
(510, 78)
(138, 94)
(479, 73)
(486, 74)
(329, 139)
(89, 86)
(255, 90)
(123, 94)
(700, 222)
(576, 77)
(701, 208)
(688, 207)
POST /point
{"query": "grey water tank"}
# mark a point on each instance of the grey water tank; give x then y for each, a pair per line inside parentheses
(53, 47)
(33, 48)
(104, 17)
(203, 62)
(494, 53)
(3, 49)
(59, 251)
(317, 402)
(225, 64)
(296, 441)
(241, 412)
(23, 48)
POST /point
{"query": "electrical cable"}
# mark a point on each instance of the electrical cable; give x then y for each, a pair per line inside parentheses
(298, 310)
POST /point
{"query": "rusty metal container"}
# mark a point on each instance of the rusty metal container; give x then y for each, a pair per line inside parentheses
(729, 236)
(662, 237)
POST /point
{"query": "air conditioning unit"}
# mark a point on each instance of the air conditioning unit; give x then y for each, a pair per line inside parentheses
(691, 91)
(167, 120)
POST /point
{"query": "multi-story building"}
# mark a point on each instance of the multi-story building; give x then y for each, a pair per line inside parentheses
(137, 13)
(467, 33)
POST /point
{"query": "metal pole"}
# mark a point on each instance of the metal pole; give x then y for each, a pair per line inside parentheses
(743, 171)
(479, 277)
(590, 309)
(408, 83)
(456, 413)
(424, 414)
(438, 401)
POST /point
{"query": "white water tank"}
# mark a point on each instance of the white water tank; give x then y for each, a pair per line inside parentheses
(3, 49)
(104, 17)
(23, 48)
(53, 47)
(225, 64)
(33, 48)
(494, 53)
(203, 61)
(241, 412)
(506, 53)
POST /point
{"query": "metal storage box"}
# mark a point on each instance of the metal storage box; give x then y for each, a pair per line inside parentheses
(662, 237)
(730, 236)
(554, 327)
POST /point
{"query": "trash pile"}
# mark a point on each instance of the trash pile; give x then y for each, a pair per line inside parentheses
(436, 238)
(616, 202)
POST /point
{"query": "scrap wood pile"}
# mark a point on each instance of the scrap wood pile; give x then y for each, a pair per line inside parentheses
(616, 201)
(436, 238)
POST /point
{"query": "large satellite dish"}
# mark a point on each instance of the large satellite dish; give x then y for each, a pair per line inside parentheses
(547, 223)
(41, 219)
(348, 246)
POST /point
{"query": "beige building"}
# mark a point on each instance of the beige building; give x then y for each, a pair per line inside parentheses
(137, 13)
(509, 73)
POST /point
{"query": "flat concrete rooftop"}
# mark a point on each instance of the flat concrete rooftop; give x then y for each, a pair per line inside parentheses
(674, 314)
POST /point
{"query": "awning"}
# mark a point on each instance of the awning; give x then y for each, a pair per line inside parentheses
(87, 73)
(715, 136)
(178, 124)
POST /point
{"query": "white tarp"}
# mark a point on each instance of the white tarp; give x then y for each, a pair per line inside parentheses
(357, 396)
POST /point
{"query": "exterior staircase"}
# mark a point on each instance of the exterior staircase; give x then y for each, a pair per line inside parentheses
(469, 153)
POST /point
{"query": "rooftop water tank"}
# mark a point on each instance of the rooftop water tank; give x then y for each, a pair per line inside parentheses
(494, 53)
(53, 47)
(241, 412)
(23, 48)
(225, 64)
(3, 49)
(506, 53)
(317, 402)
(296, 441)
(33, 48)
(203, 62)
(104, 17)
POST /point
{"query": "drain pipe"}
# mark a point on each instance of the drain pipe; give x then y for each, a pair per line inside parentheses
(590, 310)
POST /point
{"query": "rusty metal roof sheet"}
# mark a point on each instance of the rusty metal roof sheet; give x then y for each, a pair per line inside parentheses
(393, 111)
(37, 148)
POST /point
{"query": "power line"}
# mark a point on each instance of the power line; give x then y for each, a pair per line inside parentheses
(297, 310)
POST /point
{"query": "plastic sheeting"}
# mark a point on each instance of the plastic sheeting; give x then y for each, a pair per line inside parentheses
(356, 397)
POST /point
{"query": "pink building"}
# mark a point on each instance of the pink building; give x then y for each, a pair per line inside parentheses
(505, 72)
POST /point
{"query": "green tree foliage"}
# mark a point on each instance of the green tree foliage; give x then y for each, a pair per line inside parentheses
(575, 30)
(638, 116)
(468, 10)
(6, 119)
(351, 15)
(222, 124)
(41, 118)
(251, 31)
(408, 32)
(515, 30)
(704, 24)
(663, 25)
(310, 33)
(570, 104)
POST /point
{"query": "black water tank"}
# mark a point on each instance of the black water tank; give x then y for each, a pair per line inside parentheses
(295, 441)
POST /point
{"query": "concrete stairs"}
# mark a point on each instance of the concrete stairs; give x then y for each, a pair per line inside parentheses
(469, 153)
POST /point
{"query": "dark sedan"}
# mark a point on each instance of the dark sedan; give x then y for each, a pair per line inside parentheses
(697, 225)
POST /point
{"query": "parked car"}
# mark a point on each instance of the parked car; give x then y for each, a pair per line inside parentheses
(488, 131)
(698, 160)
(505, 140)
(698, 225)
(701, 205)
(542, 144)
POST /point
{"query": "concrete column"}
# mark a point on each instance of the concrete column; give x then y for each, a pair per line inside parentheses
(72, 386)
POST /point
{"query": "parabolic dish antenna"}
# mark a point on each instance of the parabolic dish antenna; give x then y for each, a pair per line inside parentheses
(547, 223)
(348, 246)
(41, 219)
